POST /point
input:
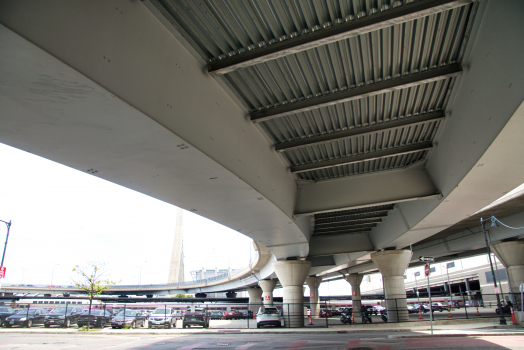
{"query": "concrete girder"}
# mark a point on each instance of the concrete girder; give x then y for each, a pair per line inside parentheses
(461, 244)
(339, 244)
(354, 192)
(399, 83)
(384, 19)
(142, 113)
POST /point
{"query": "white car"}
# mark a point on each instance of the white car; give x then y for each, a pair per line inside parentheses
(269, 316)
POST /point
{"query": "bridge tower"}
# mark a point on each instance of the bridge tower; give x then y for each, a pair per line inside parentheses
(176, 268)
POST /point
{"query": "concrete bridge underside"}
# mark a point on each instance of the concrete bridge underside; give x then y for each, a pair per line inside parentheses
(319, 154)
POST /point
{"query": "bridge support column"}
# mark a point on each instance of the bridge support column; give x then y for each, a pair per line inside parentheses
(392, 264)
(292, 274)
(313, 284)
(354, 280)
(255, 295)
(268, 286)
(511, 254)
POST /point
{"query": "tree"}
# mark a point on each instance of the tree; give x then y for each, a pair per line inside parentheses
(183, 296)
(90, 278)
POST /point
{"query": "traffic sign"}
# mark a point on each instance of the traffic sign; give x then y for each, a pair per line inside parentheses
(267, 297)
(427, 258)
(426, 270)
(521, 287)
(2, 272)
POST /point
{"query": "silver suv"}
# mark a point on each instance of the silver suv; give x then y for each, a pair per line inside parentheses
(269, 316)
(162, 318)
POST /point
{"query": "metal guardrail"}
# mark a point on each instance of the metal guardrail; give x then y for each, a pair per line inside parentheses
(179, 284)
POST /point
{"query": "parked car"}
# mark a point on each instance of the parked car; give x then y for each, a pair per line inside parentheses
(269, 316)
(216, 315)
(99, 318)
(436, 306)
(5, 312)
(423, 308)
(196, 318)
(230, 315)
(133, 318)
(26, 319)
(162, 318)
(378, 309)
(63, 316)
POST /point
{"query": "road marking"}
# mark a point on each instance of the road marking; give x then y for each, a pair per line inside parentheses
(298, 345)
(245, 346)
(190, 347)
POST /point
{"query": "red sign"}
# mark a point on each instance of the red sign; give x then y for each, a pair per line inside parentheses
(2, 272)
(426, 270)
(312, 295)
(267, 297)
(355, 293)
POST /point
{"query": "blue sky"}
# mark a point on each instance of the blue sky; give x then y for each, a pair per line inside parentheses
(63, 217)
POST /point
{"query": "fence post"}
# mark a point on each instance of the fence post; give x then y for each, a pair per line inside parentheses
(396, 308)
(325, 307)
(124, 315)
(288, 319)
(247, 316)
(65, 315)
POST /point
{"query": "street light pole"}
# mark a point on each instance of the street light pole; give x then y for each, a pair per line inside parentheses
(449, 285)
(502, 320)
(6, 239)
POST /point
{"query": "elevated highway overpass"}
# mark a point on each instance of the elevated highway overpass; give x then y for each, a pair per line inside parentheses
(327, 133)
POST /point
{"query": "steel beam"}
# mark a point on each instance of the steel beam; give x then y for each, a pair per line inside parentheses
(386, 126)
(354, 212)
(358, 92)
(362, 157)
(368, 217)
(346, 225)
(341, 232)
(374, 22)
(354, 192)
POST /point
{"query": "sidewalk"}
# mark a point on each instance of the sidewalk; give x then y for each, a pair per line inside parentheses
(489, 327)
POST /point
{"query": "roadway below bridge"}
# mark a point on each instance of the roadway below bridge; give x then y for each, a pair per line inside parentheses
(386, 339)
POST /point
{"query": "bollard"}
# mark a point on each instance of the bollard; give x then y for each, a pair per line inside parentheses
(420, 313)
(352, 318)
(449, 312)
(513, 316)
(310, 321)
(478, 313)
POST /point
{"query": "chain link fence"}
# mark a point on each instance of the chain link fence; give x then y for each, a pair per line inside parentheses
(234, 315)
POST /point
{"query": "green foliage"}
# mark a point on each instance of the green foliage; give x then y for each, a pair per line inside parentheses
(127, 326)
(85, 329)
(183, 296)
(90, 279)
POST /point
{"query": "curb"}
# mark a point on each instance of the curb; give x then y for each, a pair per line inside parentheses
(454, 335)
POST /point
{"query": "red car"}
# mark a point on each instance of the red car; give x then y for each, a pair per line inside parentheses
(230, 315)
